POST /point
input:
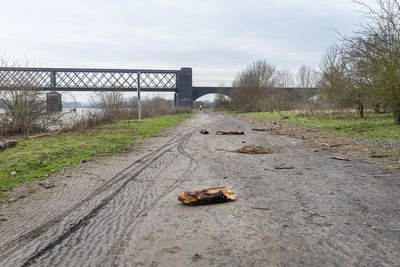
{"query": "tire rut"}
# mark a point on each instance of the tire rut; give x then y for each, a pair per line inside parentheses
(125, 174)
(118, 247)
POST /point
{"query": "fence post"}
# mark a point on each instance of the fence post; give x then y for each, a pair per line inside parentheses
(138, 97)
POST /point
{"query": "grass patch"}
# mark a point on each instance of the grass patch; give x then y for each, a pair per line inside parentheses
(38, 157)
(373, 127)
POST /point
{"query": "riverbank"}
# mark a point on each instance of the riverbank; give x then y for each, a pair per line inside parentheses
(374, 126)
(377, 146)
(39, 157)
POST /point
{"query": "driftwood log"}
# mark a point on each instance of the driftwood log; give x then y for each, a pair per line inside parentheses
(207, 196)
(7, 144)
(229, 132)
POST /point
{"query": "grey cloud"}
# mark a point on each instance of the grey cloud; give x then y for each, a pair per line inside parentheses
(217, 38)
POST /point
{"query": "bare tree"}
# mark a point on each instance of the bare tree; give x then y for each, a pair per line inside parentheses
(284, 78)
(251, 85)
(23, 109)
(371, 58)
(111, 101)
(332, 79)
(306, 77)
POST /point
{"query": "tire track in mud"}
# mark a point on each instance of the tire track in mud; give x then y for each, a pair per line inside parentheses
(111, 219)
(35, 233)
(119, 247)
(63, 231)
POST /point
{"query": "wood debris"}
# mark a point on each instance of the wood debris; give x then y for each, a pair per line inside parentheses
(386, 229)
(207, 196)
(335, 145)
(258, 208)
(282, 167)
(340, 158)
(259, 130)
(375, 156)
(229, 133)
(43, 135)
(204, 131)
(253, 149)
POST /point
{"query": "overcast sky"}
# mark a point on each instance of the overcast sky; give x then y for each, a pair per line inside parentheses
(216, 38)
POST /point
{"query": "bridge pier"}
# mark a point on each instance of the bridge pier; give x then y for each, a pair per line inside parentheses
(176, 99)
(53, 102)
(185, 87)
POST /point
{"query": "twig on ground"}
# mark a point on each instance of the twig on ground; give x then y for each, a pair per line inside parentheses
(283, 167)
(386, 229)
(336, 145)
(257, 208)
(312, 212)
(340, 158)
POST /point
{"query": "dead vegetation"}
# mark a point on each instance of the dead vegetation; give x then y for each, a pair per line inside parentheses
(253, 149)
(353, 147)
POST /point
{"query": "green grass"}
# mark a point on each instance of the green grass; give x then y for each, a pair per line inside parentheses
(373, 127)
(38, 157)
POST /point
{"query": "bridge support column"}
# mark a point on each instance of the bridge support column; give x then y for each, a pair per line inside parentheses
(53, 102)
(176, 99)
(185, 87)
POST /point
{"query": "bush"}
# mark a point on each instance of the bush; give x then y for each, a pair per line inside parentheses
(24, 112)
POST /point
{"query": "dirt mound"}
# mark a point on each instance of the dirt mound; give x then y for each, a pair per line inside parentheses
(253, 149)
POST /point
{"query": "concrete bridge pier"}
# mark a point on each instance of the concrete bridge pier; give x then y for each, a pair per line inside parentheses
(53, 102)
(176, 99)
(185, 87)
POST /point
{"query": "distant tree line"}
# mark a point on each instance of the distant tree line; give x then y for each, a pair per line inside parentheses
(260, 87)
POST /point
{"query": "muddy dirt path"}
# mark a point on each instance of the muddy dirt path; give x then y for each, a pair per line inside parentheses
(320, 211)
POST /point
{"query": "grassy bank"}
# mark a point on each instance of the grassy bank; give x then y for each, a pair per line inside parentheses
(373, 127)
(38, 157)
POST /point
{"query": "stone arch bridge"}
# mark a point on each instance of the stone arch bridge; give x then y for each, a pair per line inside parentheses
(73, 79)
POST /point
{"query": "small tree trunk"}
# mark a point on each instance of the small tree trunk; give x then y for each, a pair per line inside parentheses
(377, 108)
(396, 115)
(360, 110)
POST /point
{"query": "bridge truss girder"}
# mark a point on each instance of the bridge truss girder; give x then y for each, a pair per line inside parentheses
(64, 79)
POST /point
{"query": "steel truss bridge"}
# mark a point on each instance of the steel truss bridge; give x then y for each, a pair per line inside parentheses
(127, 80)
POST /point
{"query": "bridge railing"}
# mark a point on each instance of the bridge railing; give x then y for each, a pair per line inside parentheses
(66, 79)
